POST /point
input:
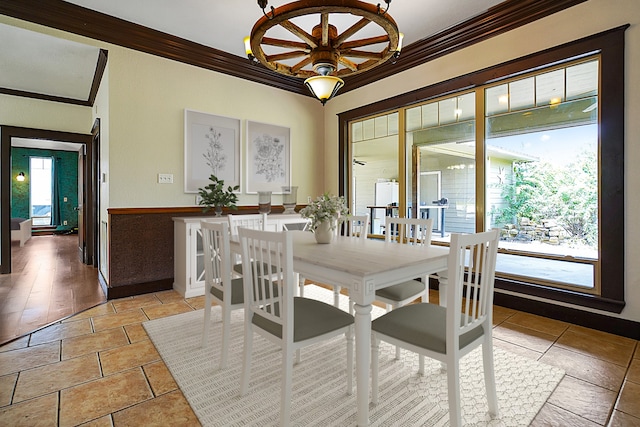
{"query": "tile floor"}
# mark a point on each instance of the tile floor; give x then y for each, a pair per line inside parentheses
(99, 368)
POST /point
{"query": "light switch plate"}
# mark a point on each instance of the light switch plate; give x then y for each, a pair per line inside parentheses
(165, 178)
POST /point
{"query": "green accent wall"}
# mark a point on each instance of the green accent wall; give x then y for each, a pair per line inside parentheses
(67, 168)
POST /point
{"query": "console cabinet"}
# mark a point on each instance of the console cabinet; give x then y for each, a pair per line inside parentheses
(188, 255)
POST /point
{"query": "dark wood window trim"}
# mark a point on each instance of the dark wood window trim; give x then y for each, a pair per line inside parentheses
(610, 46)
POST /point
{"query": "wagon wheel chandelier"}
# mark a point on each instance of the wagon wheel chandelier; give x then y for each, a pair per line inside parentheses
(324, 54)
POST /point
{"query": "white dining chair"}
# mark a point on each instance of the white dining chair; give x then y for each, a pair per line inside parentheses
(272, 311)
(220, 286)
(449, 333)
(410, 231)
(252, 221)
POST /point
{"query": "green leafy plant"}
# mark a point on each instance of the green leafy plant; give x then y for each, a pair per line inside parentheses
(326, 208)
(215, 195)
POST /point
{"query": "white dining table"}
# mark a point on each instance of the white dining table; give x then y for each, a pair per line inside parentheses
(363, 266)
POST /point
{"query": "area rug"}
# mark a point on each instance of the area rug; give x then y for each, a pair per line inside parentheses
(319, 381)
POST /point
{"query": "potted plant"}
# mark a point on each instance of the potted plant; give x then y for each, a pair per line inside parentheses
(216, 196)
(325, 213)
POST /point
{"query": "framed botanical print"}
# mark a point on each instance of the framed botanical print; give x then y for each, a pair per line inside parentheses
(268, 157)
(211, 147)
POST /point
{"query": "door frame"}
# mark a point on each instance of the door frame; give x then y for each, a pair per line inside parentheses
(89, 174)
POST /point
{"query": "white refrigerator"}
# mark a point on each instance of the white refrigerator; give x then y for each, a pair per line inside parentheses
(386, 193)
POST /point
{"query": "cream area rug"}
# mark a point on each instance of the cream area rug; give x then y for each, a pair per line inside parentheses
(319, 381)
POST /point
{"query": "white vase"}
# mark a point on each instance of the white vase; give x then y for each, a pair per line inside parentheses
(323, 232)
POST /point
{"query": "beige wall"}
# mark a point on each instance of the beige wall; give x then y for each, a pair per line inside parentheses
(588, 18)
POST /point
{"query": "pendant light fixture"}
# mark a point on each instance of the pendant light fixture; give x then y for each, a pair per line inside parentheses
(322, 55)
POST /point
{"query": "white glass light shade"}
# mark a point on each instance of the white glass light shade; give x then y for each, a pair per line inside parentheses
(324, 87)
(20, 177)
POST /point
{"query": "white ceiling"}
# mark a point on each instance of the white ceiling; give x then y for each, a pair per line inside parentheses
(222, 24)
(38, 63)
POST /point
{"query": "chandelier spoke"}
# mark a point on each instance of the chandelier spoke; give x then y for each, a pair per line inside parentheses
(349, 64)
(364, 42)
(324, 22)
(286, 55)
(300, 33)
(346, 34)
(362, 54)
(285, 43)
(300, 65)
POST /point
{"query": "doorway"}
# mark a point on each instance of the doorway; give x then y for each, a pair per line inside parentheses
(87, 174)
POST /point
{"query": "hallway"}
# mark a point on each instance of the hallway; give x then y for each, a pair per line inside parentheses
(48, 283)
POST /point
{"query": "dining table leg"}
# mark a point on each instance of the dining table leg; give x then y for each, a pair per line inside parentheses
(363, 361)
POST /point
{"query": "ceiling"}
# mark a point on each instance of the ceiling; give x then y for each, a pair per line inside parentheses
(58, 68)
(209, 34)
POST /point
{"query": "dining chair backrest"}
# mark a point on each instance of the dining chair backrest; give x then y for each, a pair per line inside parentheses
(301, 224)
(217, 256)
(355, 226)
(252, 221)
(471, 274)
(415, 231)
(268, 293)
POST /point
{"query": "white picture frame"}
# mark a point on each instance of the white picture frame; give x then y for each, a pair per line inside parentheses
(268, 157)
(211, 147)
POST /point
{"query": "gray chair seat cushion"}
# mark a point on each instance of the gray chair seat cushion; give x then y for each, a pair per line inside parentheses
(237, 292)
(401, 291)
(423, 325)
(311, 318)
(238, 268)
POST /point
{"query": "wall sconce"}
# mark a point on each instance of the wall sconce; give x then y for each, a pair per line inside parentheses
(20, 177)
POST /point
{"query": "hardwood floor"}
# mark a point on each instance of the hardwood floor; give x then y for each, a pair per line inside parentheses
(48, 283)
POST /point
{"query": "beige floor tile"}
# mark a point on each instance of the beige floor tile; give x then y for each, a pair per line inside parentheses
(596, 371)
(57, 376)
(127, 357)
(40, 412)
(160, 378)
(93, 343)
(168, 296)
(633, 374)
(99, 310)
(136, 332)
(59, 331)
(580, 397)
(196, 302)
(138, 301)
(30, 357)
(524, 337)
(7, 385)
(169, 409)
(516, 349)
(620, 419)
(539, 323)
(115, 320)
(553, 416)
(618, 351)
(100, 397)
(500, 314)
(167, 309)
(16, 344)
(100, 422)
(629, 401)
(604, 336)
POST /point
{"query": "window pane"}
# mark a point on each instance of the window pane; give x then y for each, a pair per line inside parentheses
(413, 118)
(40, 188)
(497, 100)
(542, 182)
(550, 88)
(522, 94)
(445, 164)
(374, 169)
(582, 80)
(429, 115)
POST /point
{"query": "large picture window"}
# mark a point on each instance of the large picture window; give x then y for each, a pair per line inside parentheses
(536, 153)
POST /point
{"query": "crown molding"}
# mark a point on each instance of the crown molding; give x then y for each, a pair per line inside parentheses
(75, 19)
